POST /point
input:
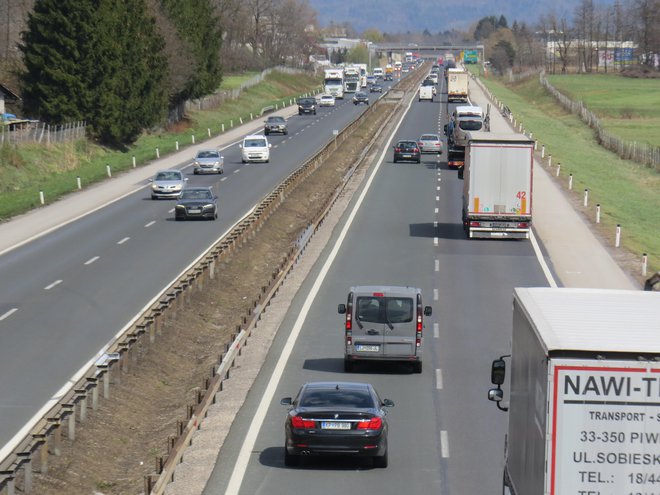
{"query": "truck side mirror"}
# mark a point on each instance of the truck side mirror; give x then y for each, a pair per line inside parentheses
(341, 309)
(497, 372)
(495, 394)
(428, 311)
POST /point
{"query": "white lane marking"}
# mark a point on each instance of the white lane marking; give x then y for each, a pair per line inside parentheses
(439, 179)
(91, 260)
(437, 265)
(437, 209)
(48, 287)
(435, 294)
(539, 256)
(8, 313)
(123, 240)
(435, 241)
(444, 444)
(437, 188)
(223, 179)
(437, 198)
(438, 379)
(171, 210)
(250, 438)
(150, 223)
(276, 146)
(435, 224)
(238, 170)
(436, 330)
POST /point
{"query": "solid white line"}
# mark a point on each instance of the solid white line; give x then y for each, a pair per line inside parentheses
(435, 294)
(444, 444)
(123, 240)
(48, 287)
(244, 454)
(91, 260)
(437, 265)
(539, 256)
(436, 330)
(8, 313)
(150, 223)
(438, 379)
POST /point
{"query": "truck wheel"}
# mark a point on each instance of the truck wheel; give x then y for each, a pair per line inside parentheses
(417, 367)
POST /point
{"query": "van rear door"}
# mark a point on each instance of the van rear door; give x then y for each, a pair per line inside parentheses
(400, 325)
(369, 326)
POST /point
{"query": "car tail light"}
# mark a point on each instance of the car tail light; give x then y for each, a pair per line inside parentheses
(415, 150)
(523, 225)
(298, 422)
(420, 144)
(370, 424)
(398, 150)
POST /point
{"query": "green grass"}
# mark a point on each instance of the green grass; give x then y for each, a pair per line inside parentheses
(234, 81)
(29, 168)
(627, 107)
(627, 192)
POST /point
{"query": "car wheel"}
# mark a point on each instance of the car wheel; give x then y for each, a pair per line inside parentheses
(381, 461)
(419, 160)
(286, 132)
(242, 161)
(417, 367)
(153, 197)
(395, 160)
(266, 133)
(349, 366)
(290, 459)
(195, 172)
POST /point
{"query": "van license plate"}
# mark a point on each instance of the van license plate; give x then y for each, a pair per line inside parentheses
(367, 348)
(334, 425)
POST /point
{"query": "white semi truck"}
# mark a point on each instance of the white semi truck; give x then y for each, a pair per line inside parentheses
(351, 79)
(497, 187)
(457, 85)
(333, 82)
(584, 400)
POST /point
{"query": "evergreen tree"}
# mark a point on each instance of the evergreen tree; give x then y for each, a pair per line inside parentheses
(56, 44)
(198, 26)
(502, 23)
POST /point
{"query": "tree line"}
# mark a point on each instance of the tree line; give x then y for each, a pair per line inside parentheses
(121, 65)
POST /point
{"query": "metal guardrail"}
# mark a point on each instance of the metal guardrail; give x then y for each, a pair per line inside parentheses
(44, 439)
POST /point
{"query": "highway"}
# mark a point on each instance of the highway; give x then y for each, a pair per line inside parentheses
(445, 437)
(66, 294)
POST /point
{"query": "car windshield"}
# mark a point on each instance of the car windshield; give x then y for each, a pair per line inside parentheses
(337, 397)
(168, 176)
(255, 143)
(275, 120)
(305, 101)
(374, 309)
(208, 154)
(470, 125)
(196, 194)
(429, 137)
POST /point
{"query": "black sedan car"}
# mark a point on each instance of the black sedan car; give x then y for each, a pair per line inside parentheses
(376, 88)
(196, 202)
(407, 150)
(361, 97)
(336, 418)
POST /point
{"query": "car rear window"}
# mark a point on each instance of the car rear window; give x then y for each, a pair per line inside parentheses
(196, 194)
(208, 154)
(337, 398)
(429, 137)
(375, 309)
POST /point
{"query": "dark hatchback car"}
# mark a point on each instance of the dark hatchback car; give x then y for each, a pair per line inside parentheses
(336, 418)
(361, 98)
(275, 123)
(407, 150)
(196, 202)
(376, 88)
(306, 105)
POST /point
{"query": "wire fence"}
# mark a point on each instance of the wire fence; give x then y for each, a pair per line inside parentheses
(41, 133)
(628, 150)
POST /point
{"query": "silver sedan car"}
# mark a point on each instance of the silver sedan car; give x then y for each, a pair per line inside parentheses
(167, 184)
(430, 143)
(209, 162)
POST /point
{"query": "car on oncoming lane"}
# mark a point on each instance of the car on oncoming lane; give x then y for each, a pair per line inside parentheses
(430, 143)
(407, 149)
(167, 184)
(336, 418)
(361, 98)
(196, 202)
(306, 105)
(208, 162)
(275, 123)
(327, 101)
(376, 88)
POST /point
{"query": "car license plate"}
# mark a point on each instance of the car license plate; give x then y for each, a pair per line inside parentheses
(194, 210)
(335, 425)
(367, 348)
(406, 155)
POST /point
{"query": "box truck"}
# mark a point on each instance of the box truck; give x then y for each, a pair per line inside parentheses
(497, 187)
(584, 393)
(457, 85)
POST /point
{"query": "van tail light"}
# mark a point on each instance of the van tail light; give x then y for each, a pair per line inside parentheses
(420, 321)
(298, 422)
(370, 424)
(348, 325)
(523, 225)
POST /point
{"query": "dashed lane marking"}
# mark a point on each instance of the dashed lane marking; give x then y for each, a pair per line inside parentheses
(57, 282)
(8, 314)
(92, 260)
(123, 240)
(438, 379)
(444, 444)
(150, 223)
(435, 294)
(436, 330)
(437, 265)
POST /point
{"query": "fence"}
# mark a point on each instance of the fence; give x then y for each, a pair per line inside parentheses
(628, 150)
(42, 133)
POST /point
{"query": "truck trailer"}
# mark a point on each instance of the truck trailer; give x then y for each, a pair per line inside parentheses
(584, 400)
(457, 85)
(497, 186)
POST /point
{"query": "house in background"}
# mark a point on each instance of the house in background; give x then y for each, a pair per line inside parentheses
(7, 97)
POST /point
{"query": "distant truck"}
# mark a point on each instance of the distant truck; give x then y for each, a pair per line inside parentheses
(457, 85)
(497, 188)
(333, 82)
(584, 409)
(389, 72)
(351, 79)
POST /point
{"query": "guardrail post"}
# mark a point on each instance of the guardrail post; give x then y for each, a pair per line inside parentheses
(55, 437)
(95, 392)
(82, 394)
(26, 466)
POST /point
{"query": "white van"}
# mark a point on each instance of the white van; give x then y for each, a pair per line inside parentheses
(425, 92)
(383, 323)
(255, 148)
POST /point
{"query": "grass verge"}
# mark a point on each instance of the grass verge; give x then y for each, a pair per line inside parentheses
(627, 192)
(27, 169)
